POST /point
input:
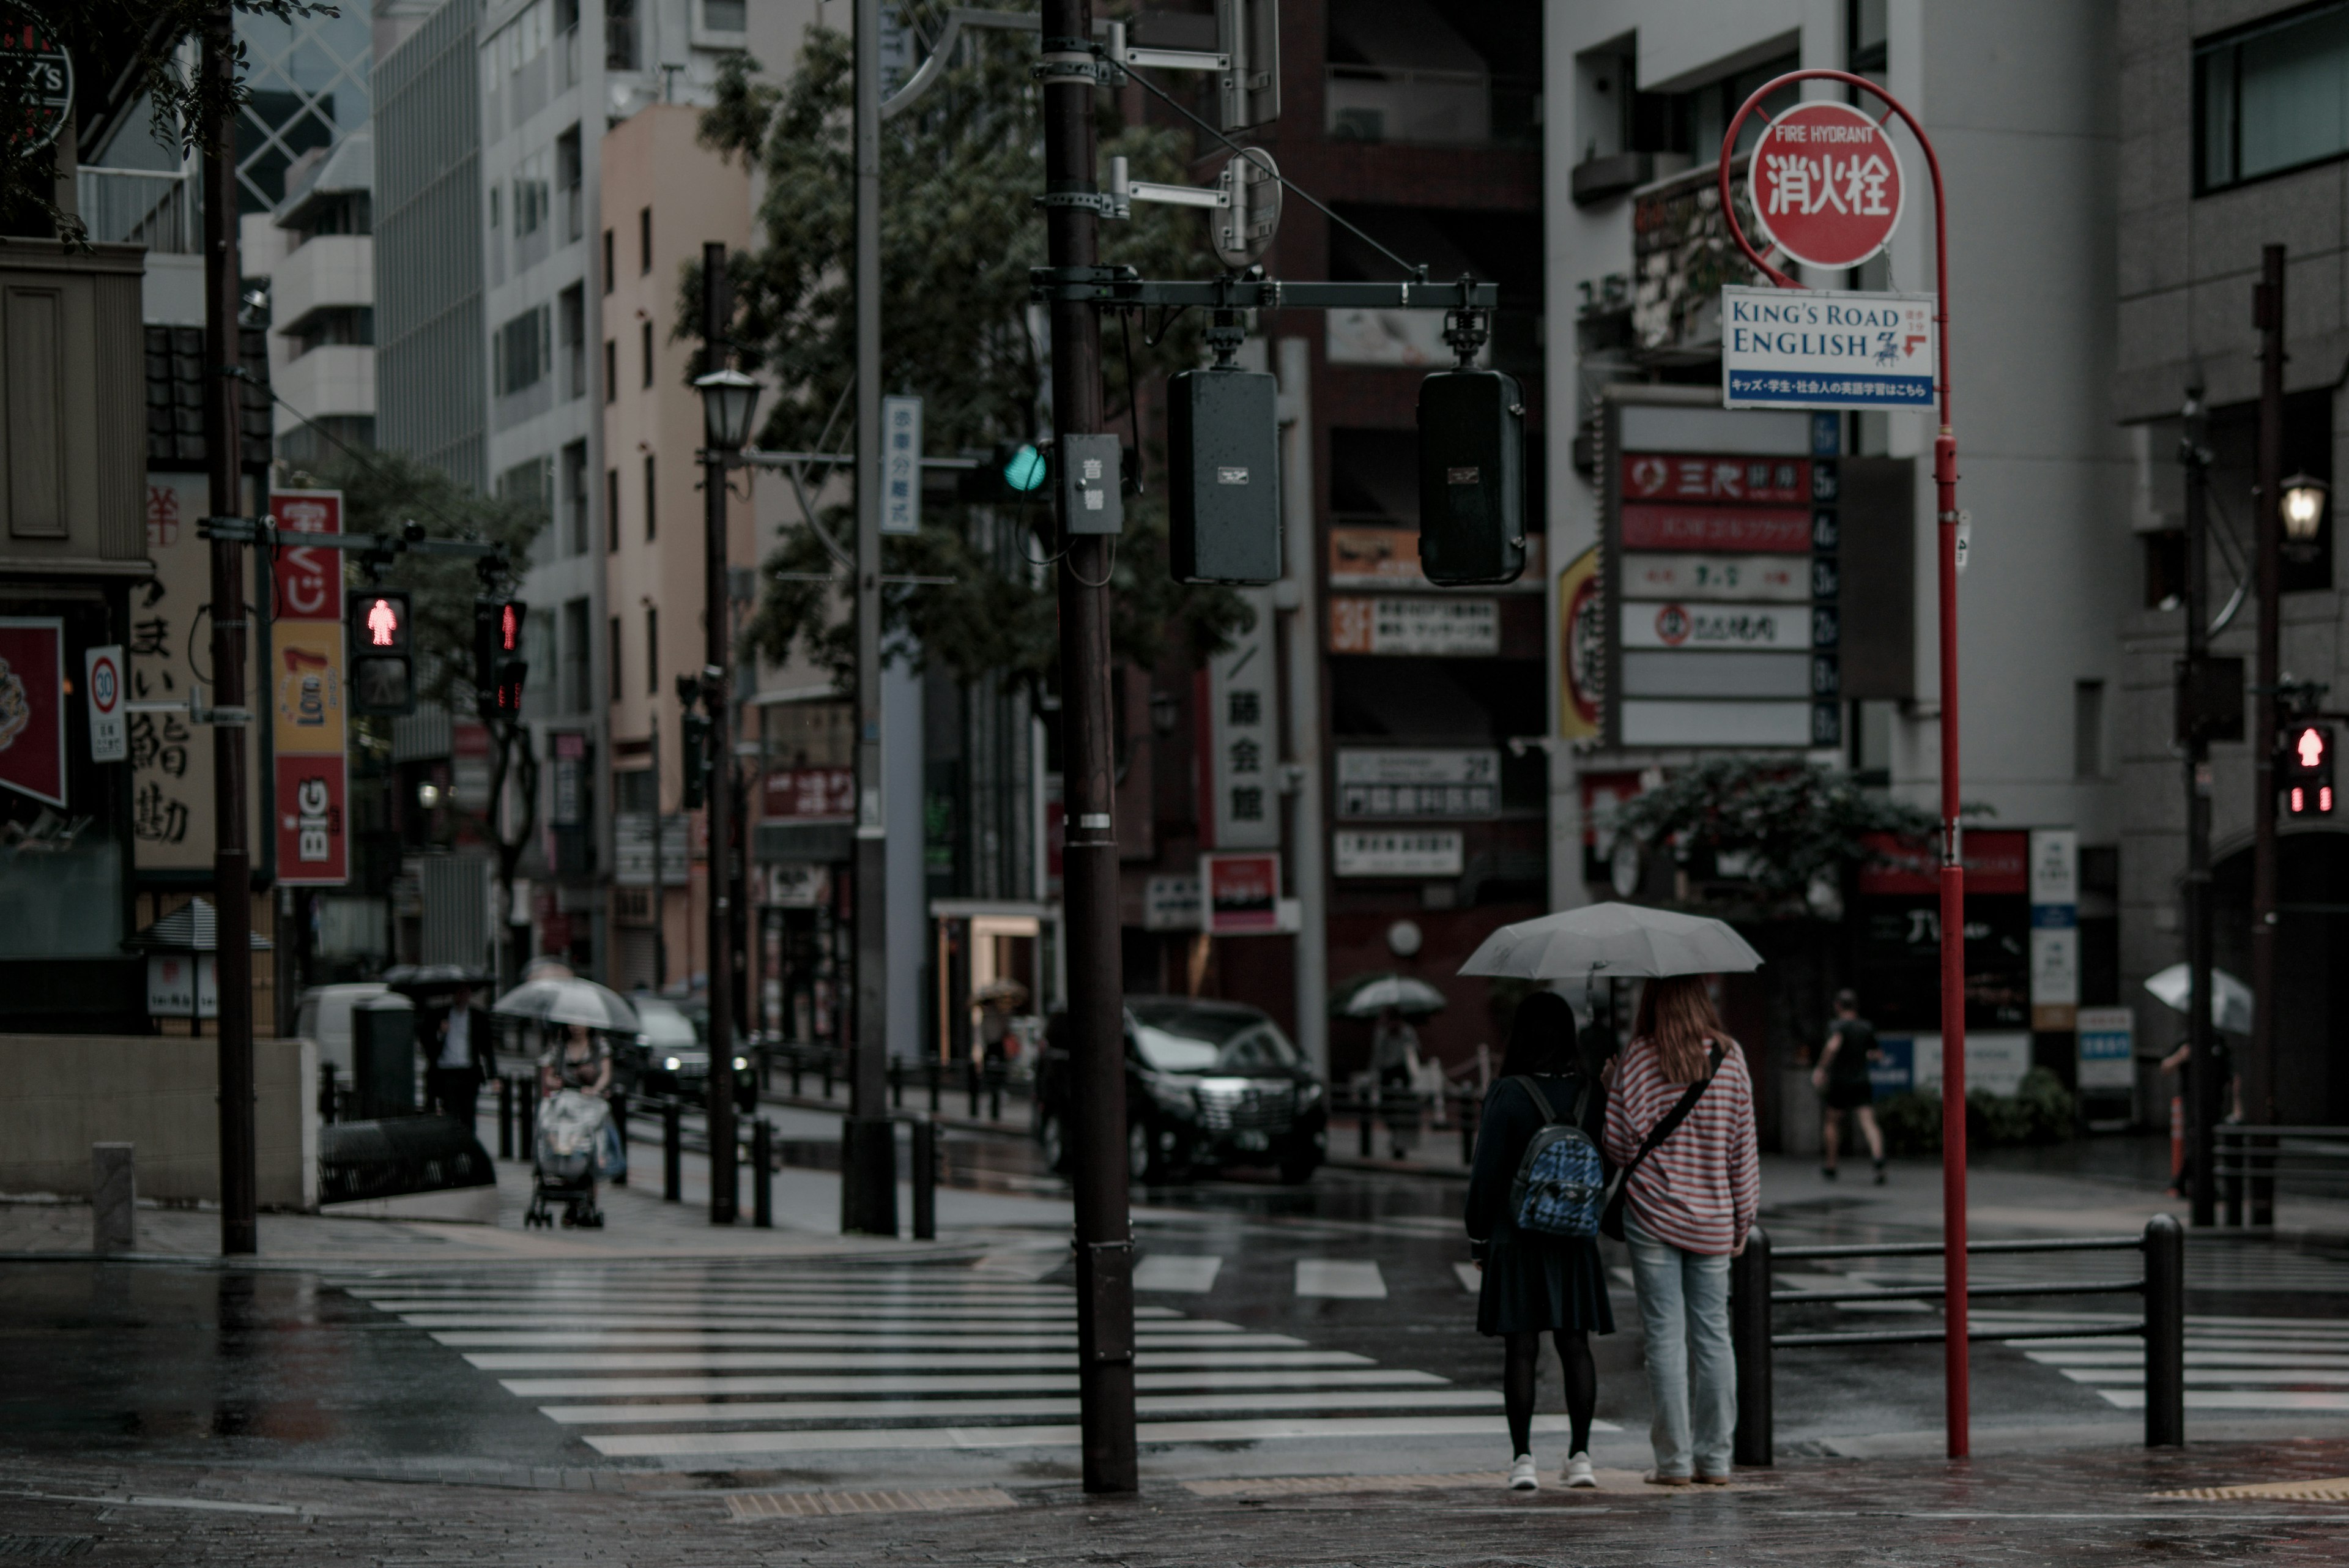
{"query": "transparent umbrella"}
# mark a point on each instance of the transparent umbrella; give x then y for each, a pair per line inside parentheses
(1614, 941)
(2230, 998)
(568, 1001)
(1373, 994)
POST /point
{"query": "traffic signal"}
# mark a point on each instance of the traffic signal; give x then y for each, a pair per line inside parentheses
(383, 664)
(1015, 471)
(499, 670)
(2308, 770)
(693, 740)
(1472, 477)
(1222, 476)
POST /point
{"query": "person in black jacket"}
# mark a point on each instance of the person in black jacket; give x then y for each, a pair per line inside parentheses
(1538, 1284)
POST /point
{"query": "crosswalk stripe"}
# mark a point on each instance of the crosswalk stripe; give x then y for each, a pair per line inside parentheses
(1340, 1279)
(2135, 1357)
(860, 1309)
(2230, 1363)
(650, 1445)
(2215, 1376)
(953, 1383)
(1176, 1272)
(901, 1409)
(790, 1324)
(2279, 1400)
(1471, 1278)
(522, 1338)
(785, 1360)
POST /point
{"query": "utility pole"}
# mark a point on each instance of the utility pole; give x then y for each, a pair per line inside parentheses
(2267, 513)
(2204, 1078)
(1104, 1228)
(223, 446)
(717, 654)
(868, 1184)
(660, 911)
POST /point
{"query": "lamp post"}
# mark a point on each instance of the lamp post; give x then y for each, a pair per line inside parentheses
(2304, 506)
(729, 399)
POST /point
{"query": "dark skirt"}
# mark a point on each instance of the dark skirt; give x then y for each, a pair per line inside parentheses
(1850, 1093)
(1536, 1283)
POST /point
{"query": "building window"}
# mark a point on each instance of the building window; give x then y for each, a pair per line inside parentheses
(523, 351)
(530, 484)
(613, 654)
(651, 511)
(334, 325)
(608, 261)
(611, 371)
(725, 16)
(575, 496)
(2165, 568)
(530, 193)
(652, 651)
(644, 241)
(620, 36)
(2087, 729)
(568, 164)
(2271, 97)
(648, 353)
(612, 512)
(571, 321)
(1867, 39)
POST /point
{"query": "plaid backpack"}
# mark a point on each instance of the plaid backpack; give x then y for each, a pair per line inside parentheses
(1561, 1181)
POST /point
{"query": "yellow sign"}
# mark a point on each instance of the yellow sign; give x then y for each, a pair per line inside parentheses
(306, 670)
(1582, 651)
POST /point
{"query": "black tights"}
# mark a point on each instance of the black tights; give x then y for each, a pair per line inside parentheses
(1521, 1372)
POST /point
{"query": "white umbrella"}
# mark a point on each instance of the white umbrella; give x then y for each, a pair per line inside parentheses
(1612, 939)
(568, 1001)
(1374, 995)
(2230, 998)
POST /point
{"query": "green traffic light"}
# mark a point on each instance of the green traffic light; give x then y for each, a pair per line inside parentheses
(1024, 470)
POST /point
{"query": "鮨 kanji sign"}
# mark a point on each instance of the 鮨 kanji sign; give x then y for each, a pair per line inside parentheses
(1826, 184)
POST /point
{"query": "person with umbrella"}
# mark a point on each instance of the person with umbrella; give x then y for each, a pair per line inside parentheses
(1393, 1001)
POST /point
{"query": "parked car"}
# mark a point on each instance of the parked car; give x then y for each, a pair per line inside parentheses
(1206, 1084)
(669, 1056)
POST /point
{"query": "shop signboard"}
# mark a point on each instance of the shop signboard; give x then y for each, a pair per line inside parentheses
(1170, 904)
(2108, 1049)
(1398, 852)
(1582, 652)
(1442, 629)
(2054, 928)
(1418, 782)
(1242, 754)
(1241, 893)
(309, 733)
(33, 707)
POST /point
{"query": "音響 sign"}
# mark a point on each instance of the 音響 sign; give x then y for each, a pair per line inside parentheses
(1823, 348)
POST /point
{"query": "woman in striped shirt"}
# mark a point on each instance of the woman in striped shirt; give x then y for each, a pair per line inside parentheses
(1687, 1210)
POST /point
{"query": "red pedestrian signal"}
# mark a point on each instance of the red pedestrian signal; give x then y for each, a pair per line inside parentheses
(499, 670)
(384, 624)
(2308, 770)
(383, 670)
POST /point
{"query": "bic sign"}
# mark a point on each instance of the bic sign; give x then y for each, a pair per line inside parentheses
(308, 580)
(1827, 184)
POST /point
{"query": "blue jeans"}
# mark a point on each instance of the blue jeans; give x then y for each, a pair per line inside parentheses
(1684, 1312)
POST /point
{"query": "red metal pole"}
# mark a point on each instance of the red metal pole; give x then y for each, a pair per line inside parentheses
(1952, 875)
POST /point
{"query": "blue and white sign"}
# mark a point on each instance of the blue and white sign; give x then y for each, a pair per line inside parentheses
(901, 465)
(2108, 1048)
(1825, 348)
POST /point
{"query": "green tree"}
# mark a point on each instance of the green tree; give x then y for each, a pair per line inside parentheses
(960, 232)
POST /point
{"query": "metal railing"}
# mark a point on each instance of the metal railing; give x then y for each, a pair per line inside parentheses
(159, 209)
(2254, 1158)
(2161, 1283)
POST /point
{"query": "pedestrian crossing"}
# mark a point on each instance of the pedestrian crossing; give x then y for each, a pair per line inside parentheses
(715, 1363)
(2273, 1365)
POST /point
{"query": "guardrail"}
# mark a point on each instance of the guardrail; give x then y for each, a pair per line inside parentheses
(2256, 1157)
(2161, 1283)
(1409, 1115)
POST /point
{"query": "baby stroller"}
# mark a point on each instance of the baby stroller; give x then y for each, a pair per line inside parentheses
(571, 1135)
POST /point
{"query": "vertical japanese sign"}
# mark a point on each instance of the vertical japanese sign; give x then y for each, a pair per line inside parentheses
(1582, 647)
(170, 761)
(1243, 797)
(311, 731)
(2054, 929)
(33, 707)
(901, 465)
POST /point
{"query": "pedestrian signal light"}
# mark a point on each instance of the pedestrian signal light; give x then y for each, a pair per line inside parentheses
(1023, 468)
(499, 670)
(1472, 477)
(693, 740)
(1222, 476)
(1015, 471)
(2308, 770)
(383, 669)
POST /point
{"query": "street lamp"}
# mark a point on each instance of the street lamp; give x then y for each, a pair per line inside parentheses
(729, 398)
(2304, 506)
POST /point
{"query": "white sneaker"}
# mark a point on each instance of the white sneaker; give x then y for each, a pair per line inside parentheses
(1577, 1471)
(1522, 1476)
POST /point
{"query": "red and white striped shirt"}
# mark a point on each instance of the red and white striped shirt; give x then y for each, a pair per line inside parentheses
(1701, 1188)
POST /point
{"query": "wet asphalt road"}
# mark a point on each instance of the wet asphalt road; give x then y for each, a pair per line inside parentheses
(289, 1368)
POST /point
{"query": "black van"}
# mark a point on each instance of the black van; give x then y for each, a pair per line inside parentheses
(1206, 1084)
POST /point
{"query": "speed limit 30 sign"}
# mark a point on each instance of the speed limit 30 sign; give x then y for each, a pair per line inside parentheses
(110, 739)
(1826, 184)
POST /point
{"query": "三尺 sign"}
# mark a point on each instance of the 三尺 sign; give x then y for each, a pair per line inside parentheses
(1825, 348)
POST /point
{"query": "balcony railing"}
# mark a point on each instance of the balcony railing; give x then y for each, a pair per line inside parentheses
(1433, 108)
(141, 207)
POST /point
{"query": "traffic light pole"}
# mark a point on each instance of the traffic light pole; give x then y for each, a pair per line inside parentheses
(868, 1174)
(2267, 513)
(1104, 1232)
(2204, 1082)
(724, 1167)
(223, 446)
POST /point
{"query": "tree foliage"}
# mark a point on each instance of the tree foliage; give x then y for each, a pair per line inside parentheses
(136, 43)
(1792, 824)
(960, 232)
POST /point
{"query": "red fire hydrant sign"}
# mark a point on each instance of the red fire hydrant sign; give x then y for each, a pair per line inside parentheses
(1826, 184)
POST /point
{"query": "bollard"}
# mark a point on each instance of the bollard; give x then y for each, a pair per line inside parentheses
(505, 1117)
(672, 1152)
(1749, 1329)
(762, 1174)
(798, 1067)
(766, 1067)
(897, 1084)
(620, 1130)
(113, 1199)
(930, 1070)
(925, 1180)
(325, 1091)
(724, 1161)
(526, 1121)
(1366, 1115)
(970, 1083)
(2165, 1333)
(994, 1093)
(1467, 1130)
(2232, 1154)
(2260, 1158)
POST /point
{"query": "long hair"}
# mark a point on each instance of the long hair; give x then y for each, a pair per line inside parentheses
(1541, 1039)
(1676, 1015)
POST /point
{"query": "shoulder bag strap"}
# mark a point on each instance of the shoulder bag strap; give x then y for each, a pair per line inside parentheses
(1674, 1118)
(1541, 1101)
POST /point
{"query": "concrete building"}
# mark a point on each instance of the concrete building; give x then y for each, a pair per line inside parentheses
(2020, 102)
(319, 253)
(2231, 142)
